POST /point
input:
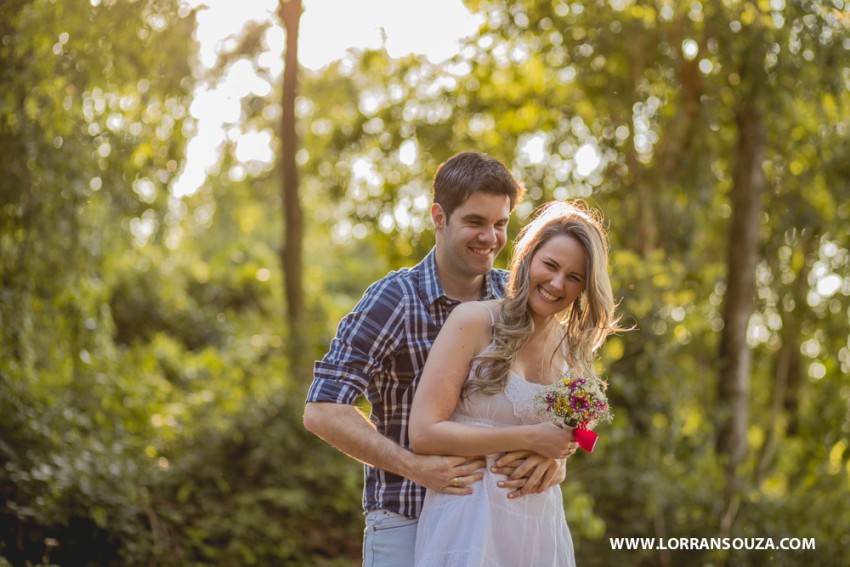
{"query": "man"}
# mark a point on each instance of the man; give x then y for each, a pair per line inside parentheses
(380, 350)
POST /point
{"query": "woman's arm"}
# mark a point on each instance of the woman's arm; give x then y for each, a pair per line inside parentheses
(463, 336)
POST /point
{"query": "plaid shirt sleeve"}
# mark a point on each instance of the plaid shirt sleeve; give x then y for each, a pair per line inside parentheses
(364, 339)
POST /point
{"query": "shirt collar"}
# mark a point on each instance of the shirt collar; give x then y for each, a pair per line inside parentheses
(494, 284)
(430, 288)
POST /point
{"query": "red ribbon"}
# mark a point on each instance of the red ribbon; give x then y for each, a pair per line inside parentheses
(586, 438)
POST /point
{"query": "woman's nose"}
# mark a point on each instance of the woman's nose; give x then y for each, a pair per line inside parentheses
(557, 280)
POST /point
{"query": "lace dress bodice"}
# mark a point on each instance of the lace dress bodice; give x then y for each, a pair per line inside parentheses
(514, 406)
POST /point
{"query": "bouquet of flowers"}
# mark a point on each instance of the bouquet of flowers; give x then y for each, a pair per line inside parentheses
(575, 402)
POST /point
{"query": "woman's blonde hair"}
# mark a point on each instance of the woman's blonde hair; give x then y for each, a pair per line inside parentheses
(586, 324)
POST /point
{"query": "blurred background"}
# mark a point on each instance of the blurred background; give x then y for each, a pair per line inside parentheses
(191, 199)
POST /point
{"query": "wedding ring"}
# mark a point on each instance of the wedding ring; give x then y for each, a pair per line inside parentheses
(455, 483)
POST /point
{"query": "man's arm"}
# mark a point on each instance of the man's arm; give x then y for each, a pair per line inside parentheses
(346, 428)
(364, 339)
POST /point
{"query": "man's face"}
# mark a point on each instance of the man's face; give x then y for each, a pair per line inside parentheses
(474, 235)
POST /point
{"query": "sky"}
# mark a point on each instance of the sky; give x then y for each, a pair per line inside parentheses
(329, 28)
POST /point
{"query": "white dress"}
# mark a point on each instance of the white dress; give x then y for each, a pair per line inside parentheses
(486, 528)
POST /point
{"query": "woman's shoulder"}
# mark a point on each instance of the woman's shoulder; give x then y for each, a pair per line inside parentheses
(477, 311)
(469, 326)
(473, 319)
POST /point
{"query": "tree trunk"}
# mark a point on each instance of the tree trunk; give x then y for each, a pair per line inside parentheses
(293, 222)
(646, 237)
(743, 252)
(787, 373)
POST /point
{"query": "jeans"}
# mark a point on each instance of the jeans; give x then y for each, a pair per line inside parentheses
(389, 539)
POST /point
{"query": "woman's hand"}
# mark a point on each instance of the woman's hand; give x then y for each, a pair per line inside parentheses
(528, 473)
(552, 441)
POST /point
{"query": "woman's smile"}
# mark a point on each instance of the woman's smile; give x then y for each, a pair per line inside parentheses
(548, 296)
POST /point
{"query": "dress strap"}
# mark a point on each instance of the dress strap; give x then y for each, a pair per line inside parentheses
(492, 318)
(566, 367)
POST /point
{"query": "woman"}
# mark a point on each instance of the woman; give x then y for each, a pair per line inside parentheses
(476, 393)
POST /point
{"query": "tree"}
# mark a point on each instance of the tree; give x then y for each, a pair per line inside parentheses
(92, 107)
(743, 256)
(290, 14)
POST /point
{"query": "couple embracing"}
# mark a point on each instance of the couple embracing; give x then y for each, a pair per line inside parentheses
(459, 470)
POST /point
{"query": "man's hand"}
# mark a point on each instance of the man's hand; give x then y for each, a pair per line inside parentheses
(344, 427)
(449, 475)
(529, 472)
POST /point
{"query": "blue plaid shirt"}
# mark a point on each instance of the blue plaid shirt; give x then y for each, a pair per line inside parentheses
(379, 351)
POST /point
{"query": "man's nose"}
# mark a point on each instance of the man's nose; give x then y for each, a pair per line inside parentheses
(488, 234)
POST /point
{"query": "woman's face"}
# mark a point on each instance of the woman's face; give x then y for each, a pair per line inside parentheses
(556, 275)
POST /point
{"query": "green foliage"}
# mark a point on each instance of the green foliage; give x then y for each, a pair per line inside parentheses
(254, 495)
(147, 413)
